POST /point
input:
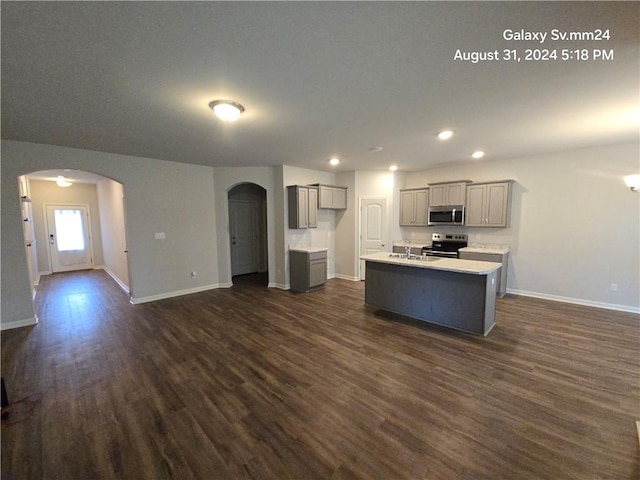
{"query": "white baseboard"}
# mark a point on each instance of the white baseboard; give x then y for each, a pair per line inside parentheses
(281, 286)
(346, 277)
(179, 293)
(27, 322)
(576, 301)
(122, 285)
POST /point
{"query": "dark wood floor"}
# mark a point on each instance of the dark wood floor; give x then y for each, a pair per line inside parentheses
(250, 382)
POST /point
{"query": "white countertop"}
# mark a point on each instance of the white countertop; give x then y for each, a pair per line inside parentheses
(308, 249)
(491, 249)
(472, 267)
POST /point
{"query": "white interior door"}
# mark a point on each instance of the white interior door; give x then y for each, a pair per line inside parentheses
(373, 227)
(244, 232)
(68, 235)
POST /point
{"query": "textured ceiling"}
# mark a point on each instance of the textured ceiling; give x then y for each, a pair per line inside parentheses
(317, 79)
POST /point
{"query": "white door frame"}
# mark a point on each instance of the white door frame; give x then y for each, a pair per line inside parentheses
(87, 207)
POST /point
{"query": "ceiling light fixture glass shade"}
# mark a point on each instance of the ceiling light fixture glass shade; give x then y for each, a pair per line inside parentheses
(226, 110)
(477, 154)
(445, 135)
(62, 182)
(393, 168)
(334, 161)
(633, 182)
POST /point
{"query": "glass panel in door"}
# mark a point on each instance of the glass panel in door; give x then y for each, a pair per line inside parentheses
(69, 245)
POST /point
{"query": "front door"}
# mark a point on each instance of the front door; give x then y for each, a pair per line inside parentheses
(373, 228)
(244, 232)
(68, 237)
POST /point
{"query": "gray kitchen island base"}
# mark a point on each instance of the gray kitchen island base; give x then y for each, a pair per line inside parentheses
(453, 299)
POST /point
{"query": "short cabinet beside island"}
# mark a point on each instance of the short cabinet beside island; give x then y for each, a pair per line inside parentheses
(459, 294)
(307, 268)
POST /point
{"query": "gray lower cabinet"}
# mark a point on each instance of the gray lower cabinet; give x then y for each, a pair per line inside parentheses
(307, 270)
(501, 280)
(449, 298)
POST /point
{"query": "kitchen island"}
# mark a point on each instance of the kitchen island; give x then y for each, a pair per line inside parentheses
(455, 293)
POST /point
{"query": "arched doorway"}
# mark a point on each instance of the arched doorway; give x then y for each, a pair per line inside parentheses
(96, 202)
(248, 233)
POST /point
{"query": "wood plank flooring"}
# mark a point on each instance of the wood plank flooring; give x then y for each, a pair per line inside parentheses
(257, 383)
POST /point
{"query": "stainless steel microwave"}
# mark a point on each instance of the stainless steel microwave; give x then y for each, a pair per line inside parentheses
(446, 215)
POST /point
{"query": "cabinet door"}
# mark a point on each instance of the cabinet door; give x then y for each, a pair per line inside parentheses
(312, 206)
(438, 195)
(421, 208)
(317, 272)
(455, 193)
(325, 197)
(298, 206)
(488, 205)
(407, 202)
(475, 206)
(497, 204)
(340, 198)
(303, 207)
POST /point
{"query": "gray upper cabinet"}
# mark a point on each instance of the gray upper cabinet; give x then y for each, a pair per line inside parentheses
(303, 201)
(414, 205)
(331, 197)
(450, 193)
(488, 204)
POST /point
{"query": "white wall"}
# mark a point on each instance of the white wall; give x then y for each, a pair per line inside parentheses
(370, 184)
(46, 192)
(226, 178)
(575, 227)
(112, 226)
(346, 255)
(174, 198)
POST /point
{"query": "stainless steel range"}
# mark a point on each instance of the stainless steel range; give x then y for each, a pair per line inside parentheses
(445, 245)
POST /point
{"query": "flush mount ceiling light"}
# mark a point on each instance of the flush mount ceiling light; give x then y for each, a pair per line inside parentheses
(226, 110)
(445, 135)
(633, 182)
(334, 161)
(477, 154)
(62, 182)
(393, 168)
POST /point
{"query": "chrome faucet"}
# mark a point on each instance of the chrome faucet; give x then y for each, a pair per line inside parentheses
(408, 251)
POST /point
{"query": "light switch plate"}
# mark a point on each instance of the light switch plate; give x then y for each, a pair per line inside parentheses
(160, 236)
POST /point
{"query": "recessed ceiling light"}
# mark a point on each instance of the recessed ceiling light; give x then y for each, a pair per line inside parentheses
(393, 168)
(477, 154)
(334, 161)
(226, 110)
(445, 135)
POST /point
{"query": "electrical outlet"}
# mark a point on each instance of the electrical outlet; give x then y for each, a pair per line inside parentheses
(614, 287)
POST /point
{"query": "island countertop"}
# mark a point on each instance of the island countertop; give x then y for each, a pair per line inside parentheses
(473, 267)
